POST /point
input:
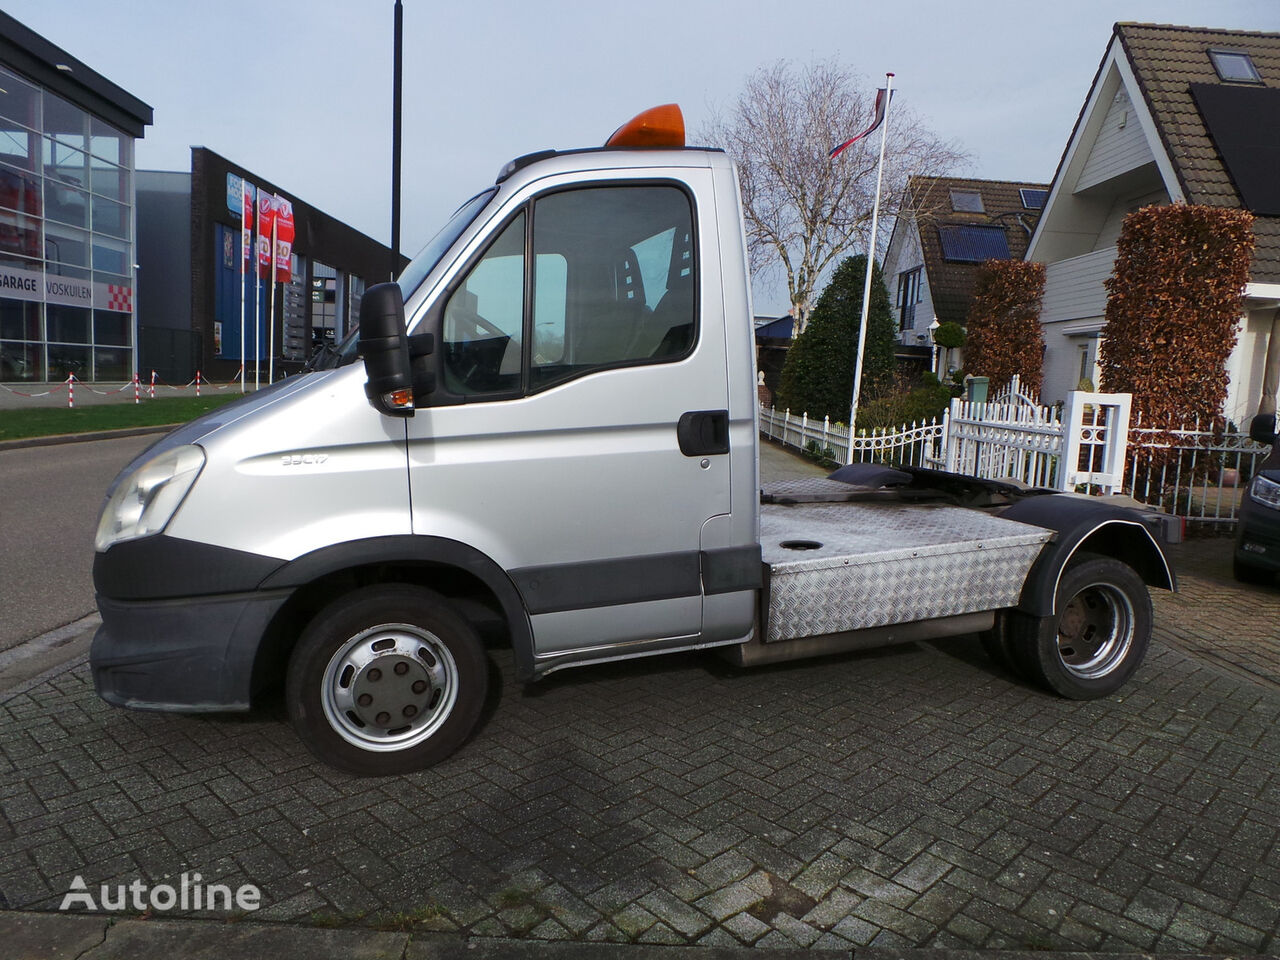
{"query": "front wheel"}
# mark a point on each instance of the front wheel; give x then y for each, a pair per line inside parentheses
(386, 680)
(1097, 637)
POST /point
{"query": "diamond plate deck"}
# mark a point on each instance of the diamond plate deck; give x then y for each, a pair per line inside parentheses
(880, 564)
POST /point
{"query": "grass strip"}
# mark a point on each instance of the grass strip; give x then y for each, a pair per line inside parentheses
(51, 421)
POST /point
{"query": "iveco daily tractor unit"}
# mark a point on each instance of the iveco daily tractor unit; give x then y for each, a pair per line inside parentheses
(546, 437)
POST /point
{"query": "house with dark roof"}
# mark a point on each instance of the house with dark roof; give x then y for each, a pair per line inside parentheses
(1174, 115)
(947, 228)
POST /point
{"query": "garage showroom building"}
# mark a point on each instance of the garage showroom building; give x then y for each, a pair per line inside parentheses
(67, 224)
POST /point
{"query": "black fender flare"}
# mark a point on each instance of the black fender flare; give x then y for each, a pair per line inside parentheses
(1080, 524)
(409, 548)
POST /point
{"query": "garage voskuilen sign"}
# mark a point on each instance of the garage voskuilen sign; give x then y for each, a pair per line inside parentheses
(42, 287)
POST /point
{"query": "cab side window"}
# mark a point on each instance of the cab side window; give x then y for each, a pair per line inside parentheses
(613, 283)
(614, 279)
(483, 328)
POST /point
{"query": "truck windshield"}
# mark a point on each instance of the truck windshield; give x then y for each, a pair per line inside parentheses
(436, 247)
(409, 280)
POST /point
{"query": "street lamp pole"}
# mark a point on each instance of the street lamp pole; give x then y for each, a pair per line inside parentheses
(397, 70)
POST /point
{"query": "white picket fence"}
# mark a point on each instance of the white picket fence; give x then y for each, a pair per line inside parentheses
(1088, 446)
(915, 444)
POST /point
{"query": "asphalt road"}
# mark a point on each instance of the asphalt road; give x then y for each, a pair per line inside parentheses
(49, 500)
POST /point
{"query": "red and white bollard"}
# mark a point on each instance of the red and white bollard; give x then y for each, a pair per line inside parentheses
(71, 390)
(137, 389)
(153, 385)
(197, 383)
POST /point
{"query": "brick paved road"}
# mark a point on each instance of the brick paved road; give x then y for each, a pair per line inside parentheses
(909, 797)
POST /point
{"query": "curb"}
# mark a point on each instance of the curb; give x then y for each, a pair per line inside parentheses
(98, 937)
(55, 439)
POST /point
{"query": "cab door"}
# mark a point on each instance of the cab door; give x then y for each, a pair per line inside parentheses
(578, 433)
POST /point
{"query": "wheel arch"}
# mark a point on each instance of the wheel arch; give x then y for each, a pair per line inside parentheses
(455, 570)
(1085, 526)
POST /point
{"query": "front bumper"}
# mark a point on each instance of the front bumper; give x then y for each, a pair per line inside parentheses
(1258, 535)
(193, 654)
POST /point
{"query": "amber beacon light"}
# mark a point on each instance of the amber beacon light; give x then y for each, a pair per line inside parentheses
(656, 127)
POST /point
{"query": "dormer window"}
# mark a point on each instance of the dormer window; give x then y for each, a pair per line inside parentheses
(967, 201)
(1234, 66)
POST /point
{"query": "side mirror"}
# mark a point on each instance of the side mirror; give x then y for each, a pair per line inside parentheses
(1262, 428)
(384, 347)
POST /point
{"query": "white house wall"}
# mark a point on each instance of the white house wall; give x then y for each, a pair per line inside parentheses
(906, 253)
(1073, 289)
(1121, 145)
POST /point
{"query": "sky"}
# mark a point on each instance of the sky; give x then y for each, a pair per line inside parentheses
(299, 91)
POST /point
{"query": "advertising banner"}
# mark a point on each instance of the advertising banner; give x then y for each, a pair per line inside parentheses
(235, 194)
(246, 224)
(284, 240)
(266, 214)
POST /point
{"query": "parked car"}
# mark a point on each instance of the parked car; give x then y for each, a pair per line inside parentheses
(1257, 554)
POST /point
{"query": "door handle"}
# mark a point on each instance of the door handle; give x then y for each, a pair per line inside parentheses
(702, 433)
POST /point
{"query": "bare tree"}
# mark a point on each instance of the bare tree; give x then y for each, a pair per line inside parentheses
(803, 210)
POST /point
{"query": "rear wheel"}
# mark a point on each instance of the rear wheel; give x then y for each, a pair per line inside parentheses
(1097, 637)
(386, 680)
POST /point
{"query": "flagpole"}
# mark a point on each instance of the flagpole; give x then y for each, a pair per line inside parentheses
(271, 314)
(244, 255)
(871, 260)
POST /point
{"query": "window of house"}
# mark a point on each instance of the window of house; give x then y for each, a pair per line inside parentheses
(967, 201)
(1234, 66)
(908, 297)
(614, 283)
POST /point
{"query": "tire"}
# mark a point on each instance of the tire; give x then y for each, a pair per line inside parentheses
(1096, 639)
(386, 680)
(1245, 572)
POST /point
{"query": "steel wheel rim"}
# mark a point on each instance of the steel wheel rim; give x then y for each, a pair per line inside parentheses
(390, 687)
(1095, 631)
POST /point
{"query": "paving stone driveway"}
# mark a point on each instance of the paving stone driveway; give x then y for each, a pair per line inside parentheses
(914, 797)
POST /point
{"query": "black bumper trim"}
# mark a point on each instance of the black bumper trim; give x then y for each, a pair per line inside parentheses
(192, 654)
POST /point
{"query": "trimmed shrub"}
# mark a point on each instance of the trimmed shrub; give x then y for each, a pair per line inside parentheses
(817, 377)
(950, 335)
(1173, 304)
(1004, 324)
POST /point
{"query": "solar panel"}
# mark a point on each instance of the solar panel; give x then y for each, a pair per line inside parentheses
(1033, 199)
(1244, 123)
(973, 244)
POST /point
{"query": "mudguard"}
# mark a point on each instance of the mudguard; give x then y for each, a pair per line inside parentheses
(1084, 524)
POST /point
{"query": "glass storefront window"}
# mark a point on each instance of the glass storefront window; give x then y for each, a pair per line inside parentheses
(19, 234)
(64, 360)
(19, 190)
(67, 324)
(108, 180)
(68, 123)
(111, 328)
(20, 320)
(111, 364)
(19, 147)
(66, 204)
(65, 164)
(110, 217)
(21, 361)
(66, 245)
(111, 256)
(19, 101)
(107, 142)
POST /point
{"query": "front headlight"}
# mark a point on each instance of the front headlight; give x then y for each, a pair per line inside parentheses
(146, 499)
(1265, 491)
